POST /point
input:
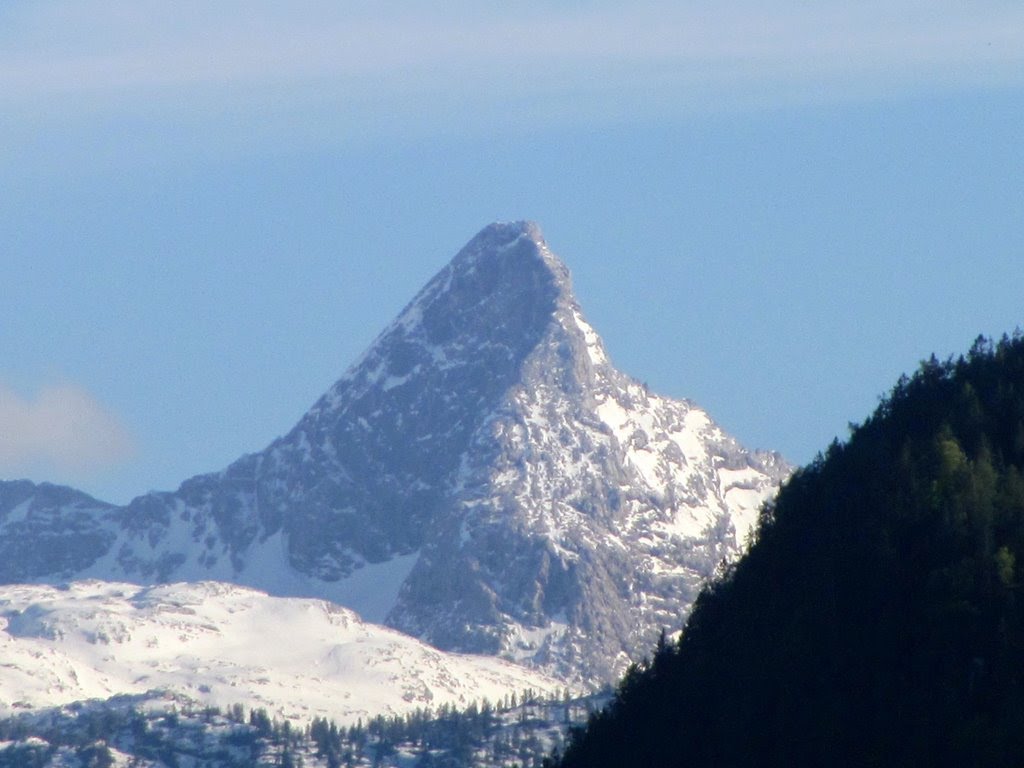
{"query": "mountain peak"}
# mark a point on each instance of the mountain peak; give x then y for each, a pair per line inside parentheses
(506, 232)
(482, 314)
(482, 478)
(504, 257)
(503, 234)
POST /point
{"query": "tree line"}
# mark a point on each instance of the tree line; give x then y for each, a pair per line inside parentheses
(877, 618)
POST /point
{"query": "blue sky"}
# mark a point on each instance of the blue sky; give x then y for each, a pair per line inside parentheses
(210, 210)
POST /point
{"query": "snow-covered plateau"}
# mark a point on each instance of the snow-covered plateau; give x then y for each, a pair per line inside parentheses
(220, 645)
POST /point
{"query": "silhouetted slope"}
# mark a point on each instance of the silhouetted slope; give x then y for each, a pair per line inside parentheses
(877, 619)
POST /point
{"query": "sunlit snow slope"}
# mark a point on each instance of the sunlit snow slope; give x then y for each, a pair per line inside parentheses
(221, 644)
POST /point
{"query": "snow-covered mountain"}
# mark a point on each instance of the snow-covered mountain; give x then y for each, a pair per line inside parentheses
(221, 645)
(482, 478)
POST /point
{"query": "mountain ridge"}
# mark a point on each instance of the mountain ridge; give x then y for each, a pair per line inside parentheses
(481, 477)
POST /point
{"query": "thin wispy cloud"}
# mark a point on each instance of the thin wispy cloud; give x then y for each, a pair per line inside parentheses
(453, 51)
(62, 428)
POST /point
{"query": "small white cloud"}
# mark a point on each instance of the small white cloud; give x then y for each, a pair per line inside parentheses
(63, 428)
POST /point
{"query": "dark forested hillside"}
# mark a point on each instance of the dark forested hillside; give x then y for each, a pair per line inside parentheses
(877, 619)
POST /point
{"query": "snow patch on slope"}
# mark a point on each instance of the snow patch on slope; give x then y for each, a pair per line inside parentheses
(221, 644)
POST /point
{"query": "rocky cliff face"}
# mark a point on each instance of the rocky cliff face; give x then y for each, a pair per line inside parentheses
(483, 478)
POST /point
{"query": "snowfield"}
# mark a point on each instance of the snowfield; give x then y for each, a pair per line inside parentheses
(221, 644)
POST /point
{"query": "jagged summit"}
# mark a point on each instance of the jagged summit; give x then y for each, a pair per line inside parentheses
(482, 478)
(498, 293)
(500, 289)
(508, 247)
(415, 399)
